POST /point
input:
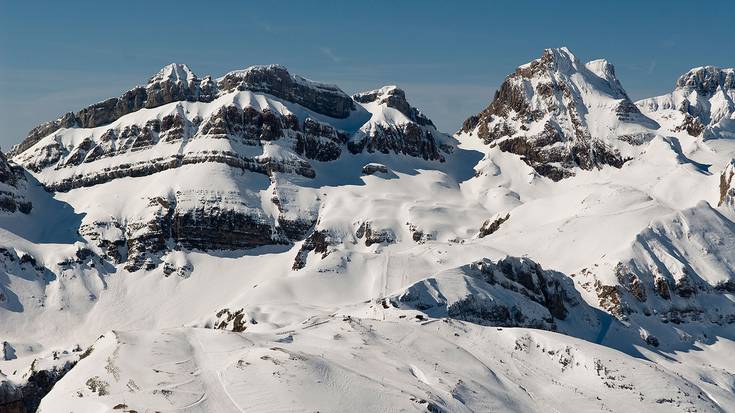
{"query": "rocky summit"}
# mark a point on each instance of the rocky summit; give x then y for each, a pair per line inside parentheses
(702, 103)
(559, 114)
(260, 241)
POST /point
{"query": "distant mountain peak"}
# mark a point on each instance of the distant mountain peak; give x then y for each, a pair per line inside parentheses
(702, 103)
(176, 72)
(707, 80)
(560, 59)
(394, 97)
(559, 114)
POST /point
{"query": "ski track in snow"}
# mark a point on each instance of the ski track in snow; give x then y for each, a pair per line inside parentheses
(216, 391)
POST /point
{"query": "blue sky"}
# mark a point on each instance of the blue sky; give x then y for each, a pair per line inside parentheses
(448, 56)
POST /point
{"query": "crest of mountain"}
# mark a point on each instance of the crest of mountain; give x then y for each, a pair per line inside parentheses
(256, 127)
(559, 114)
(702, 104)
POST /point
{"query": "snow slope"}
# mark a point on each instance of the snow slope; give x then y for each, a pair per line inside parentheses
(347, 363)
(262, 242)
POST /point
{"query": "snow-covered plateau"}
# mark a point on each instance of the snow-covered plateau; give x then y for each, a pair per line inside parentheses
(262, 242)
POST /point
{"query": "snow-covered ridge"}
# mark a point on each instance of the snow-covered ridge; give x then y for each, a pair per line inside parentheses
(177, 83)
(279, 68)
(261, 127)
(702, 103)
(253, 248)
(707, 80)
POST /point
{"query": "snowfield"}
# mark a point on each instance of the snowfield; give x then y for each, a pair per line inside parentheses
(273, 244)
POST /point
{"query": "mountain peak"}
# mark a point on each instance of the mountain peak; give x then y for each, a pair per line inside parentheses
(700, 104)
(274, 73)
(276, 80)
(176, 72)
(562, 58)
(707, 79)
(559, 114)
(393, 97)
(602, 68)
(559, 59)
(383, 94)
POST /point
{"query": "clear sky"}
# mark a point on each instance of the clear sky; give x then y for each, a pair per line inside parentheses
(449, 56)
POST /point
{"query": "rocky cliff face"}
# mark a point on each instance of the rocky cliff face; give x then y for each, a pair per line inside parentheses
(727, 186)
(559, 114)
(397, 127)
(175, 82)
(259, 124)
(11, 397)
(277, 81)
(12, 188)
(702, 103)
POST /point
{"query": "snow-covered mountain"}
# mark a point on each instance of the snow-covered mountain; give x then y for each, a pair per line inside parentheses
(559, 114)
(703, 103)
(264, 242)
(208, 158)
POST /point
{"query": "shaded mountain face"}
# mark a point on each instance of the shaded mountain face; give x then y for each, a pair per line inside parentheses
(702, 104)
(12, 187)
(727, 186)
(559, 114)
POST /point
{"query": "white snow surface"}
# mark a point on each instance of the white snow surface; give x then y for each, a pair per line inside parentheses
(326, 337)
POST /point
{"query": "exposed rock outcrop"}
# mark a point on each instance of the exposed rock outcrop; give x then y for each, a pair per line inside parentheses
(25, 397)
(373, 168)
(209, 227)
(231, 320)
(509, 292)
(277, 81)
(318, 242)
(13, 186)
(409, 132)
(175, 82)
(11, 397)
(373, 235)
(492, 225)
(204, 220)
(727, 186)
(319, 141)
